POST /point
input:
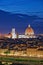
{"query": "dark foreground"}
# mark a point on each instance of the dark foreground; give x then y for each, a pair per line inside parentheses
(24, 64)
(21, 61)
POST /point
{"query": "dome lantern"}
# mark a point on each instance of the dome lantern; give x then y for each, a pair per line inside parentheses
(29, 25)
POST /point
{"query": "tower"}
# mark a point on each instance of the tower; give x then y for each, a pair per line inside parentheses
(13, 33)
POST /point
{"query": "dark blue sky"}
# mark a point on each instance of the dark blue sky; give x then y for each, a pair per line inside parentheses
(28, 7)
(22, 6)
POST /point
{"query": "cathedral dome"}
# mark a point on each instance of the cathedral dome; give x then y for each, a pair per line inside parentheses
(29, 31)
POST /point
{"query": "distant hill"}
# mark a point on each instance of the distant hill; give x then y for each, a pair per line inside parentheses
(20, 22)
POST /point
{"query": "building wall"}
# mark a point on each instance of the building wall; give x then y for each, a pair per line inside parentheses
(26, 36)
(34, 53)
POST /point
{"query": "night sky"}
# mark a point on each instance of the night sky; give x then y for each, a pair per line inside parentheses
(22, 6)
(28, 7)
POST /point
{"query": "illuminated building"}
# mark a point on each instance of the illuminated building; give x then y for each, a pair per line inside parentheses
(29, 31)
(14, 33)
(8, 35)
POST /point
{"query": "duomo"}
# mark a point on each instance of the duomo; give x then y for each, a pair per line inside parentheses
(29, 33)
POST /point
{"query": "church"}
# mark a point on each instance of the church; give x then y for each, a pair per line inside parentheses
(29, 33)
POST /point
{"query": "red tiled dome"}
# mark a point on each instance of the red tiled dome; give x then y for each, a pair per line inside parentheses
(29, 31)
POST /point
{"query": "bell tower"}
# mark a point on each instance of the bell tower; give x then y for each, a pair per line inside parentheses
(13, 33)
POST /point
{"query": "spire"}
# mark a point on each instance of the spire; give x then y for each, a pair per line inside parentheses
(29, 25)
